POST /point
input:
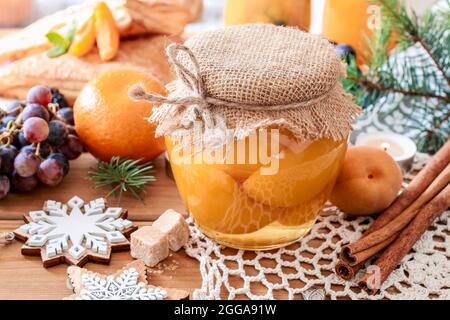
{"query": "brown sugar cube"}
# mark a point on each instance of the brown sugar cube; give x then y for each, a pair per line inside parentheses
(175, 227)
(150, 245)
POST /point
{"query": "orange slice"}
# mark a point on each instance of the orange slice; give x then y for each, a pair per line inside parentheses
(302, 175)
(208, 193)
(218, 203)
(84, 40)
(107, 33)
(307, 212)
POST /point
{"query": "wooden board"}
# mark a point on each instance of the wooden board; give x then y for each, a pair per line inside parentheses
(24, 277)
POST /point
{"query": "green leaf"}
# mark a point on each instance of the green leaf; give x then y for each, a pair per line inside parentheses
(71, 32)
(61, 44)
(56, 52)
(57, 40)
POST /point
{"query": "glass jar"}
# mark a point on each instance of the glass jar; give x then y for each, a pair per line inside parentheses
(281, 12)
(266, 195)
(256, 128)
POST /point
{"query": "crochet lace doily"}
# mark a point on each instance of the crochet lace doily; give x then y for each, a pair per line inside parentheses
(305, 269)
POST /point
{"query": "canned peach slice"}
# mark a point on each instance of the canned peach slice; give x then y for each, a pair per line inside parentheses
(302, 175)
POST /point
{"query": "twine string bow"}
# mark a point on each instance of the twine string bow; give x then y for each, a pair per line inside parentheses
(196, 104)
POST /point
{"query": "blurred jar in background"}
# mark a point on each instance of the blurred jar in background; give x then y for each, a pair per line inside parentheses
(14, 13)
(350, 21)
(281, 12)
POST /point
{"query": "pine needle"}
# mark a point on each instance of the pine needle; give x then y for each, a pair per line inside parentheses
(122, 175)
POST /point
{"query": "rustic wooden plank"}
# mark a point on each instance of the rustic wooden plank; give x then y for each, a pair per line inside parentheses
(161, 195)
(24, 277)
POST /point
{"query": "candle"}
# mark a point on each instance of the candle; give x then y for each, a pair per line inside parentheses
(399, 147)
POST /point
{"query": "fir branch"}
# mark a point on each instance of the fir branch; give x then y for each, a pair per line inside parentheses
(122, 175)
(436, 62)
(439, 123)
(421, 76)
(402, 25)
(379, 87)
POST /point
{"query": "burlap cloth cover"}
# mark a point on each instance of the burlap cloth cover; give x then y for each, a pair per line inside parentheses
(254, 76)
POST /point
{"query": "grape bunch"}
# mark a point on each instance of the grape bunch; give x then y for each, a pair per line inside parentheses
(37, 140)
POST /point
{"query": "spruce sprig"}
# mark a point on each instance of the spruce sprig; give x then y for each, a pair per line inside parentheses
(422, 80)
(122, 175)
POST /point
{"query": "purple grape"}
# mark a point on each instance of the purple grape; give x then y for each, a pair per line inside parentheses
(66, 115)
(45, 150)
(7, 153)
(61, 158)
(4, 186)
(346, 52)
(59, 99)
(71, 130)
(29, 148)
(15, 141)
(57, 134)
(39, 94)
(73, 147)
(35, 110)
(22, 142)
(51, 172)
(7, 120)
(35, 129)
(14, 108)
(24, 184)
(26, 164)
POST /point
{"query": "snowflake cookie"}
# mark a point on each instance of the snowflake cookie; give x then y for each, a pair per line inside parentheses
(129, 283)
(90, 231)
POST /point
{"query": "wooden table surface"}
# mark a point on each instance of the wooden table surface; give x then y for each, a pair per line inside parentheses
(24, 277)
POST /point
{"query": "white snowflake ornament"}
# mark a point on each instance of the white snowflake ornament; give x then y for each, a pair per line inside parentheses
(129, 283)
(124, 287)
(75, 232)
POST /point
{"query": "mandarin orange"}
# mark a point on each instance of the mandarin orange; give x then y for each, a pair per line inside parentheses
(111, 124)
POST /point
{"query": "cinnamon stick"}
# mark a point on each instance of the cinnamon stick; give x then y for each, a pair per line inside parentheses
(374, 242)
(346, 271)
(394, 254)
